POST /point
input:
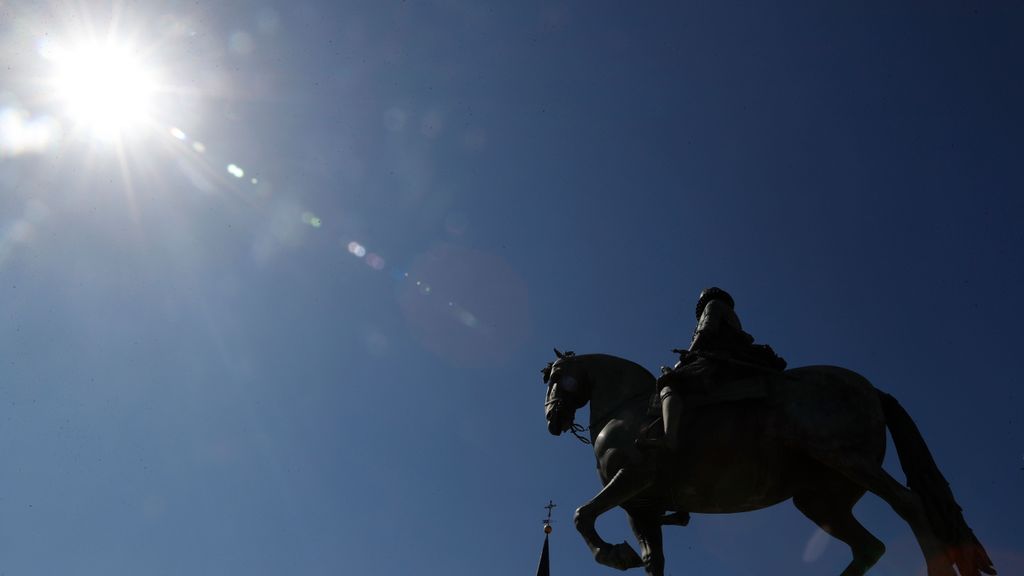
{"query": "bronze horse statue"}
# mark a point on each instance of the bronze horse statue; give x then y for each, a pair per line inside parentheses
(815, 434)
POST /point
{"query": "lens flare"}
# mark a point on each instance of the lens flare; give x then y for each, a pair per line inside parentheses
(356, 249)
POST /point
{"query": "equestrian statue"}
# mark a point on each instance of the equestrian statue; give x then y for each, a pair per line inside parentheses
(729, 429)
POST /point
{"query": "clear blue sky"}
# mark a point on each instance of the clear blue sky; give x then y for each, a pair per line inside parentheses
(289, 319)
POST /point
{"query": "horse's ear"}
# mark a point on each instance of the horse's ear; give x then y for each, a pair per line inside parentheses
(559, 354)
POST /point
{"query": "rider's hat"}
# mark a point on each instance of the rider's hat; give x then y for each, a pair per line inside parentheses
(713, 293)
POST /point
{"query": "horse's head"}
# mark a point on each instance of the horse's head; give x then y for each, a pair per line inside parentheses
(568, 391)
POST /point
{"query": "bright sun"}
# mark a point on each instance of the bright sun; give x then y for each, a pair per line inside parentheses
(105, 89)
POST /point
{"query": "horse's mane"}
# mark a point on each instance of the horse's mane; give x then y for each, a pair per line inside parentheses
(606, 358)
(609, 359)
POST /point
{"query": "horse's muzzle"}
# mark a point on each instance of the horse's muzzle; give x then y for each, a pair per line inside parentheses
(554, 428)
(557, 423)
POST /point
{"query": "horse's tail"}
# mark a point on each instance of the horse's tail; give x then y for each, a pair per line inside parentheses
(924, 479)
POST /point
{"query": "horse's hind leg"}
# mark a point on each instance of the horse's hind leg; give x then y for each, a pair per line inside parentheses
(830, 506)
(903, 501)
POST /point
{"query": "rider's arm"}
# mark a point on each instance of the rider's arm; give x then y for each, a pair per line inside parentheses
(716, 318)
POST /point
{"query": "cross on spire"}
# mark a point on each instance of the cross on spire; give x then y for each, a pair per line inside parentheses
(551, 506)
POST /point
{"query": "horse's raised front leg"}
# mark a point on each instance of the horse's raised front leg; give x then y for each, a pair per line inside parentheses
(626, 483)
(647, 528)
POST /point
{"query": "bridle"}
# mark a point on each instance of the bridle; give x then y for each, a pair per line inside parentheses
(596, 422)
(556, 405)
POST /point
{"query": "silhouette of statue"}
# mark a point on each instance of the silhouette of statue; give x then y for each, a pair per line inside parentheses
(814, 434)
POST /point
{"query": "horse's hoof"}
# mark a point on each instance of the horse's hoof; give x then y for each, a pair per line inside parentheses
(620, 556)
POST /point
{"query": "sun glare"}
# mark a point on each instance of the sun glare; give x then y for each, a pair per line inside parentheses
(105, 89)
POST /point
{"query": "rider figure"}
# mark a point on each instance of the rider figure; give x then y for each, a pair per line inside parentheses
(720, 351)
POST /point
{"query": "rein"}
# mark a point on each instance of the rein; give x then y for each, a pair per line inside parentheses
(574, 427)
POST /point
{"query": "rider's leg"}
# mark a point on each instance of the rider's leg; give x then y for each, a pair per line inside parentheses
(671, 414)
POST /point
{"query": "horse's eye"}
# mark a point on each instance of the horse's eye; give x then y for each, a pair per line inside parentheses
(568, 384)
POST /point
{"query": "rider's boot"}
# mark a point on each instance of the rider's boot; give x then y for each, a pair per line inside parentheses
(671, 414)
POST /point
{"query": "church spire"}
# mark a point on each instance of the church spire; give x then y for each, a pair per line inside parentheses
(544, 568)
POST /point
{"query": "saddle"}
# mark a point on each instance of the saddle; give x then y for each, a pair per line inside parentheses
(753, 387)
(748, 388)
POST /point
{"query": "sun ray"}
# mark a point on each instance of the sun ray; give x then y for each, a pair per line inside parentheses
(126, 181)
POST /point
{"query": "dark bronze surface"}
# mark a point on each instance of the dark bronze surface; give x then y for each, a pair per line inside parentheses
(814, 434)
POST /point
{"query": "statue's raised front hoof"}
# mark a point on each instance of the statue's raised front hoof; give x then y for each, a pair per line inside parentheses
(620, 556)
